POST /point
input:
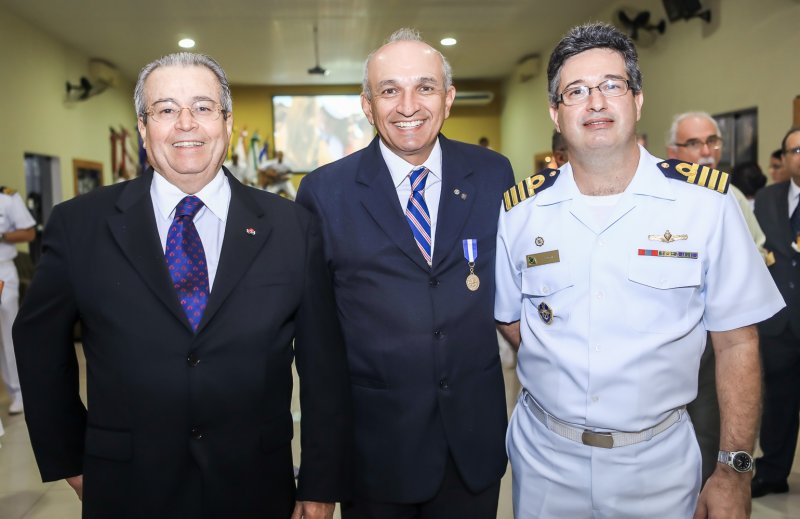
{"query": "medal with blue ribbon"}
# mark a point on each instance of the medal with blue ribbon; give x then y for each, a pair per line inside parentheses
(471, 254)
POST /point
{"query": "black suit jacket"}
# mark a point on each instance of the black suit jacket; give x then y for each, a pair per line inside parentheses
(182, 424)
(423, 354)
(772, 212)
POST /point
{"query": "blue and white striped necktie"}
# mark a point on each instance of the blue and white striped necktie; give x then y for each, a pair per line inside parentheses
(419, 219)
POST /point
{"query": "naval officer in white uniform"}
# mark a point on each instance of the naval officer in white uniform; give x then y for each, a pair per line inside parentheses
(609, 272)
(16, 226)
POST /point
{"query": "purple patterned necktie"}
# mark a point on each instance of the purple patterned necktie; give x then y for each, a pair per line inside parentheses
(186, 260)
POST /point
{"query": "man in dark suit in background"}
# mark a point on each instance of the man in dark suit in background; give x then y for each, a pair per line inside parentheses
(778, 213)
(412, 254)
(189, 288)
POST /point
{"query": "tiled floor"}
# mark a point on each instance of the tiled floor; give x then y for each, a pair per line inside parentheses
(24, 496)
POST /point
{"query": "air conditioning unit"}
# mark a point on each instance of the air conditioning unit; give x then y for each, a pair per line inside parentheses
(103, 73)
(473, 98)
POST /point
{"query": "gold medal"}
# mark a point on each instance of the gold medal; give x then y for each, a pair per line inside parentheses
(473, 282)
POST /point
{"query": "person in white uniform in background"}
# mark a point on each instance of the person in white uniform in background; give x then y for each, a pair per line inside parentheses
(609, 272)
(16, 226)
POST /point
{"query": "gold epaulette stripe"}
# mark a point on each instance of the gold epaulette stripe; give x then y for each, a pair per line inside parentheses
(529, 187)
(696, 174)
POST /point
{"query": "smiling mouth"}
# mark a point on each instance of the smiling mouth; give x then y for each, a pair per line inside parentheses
(187, 144)
(597, 122)
(408, 124)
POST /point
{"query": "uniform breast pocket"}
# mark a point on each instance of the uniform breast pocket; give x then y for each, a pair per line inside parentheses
(661, 293)
(546, 289)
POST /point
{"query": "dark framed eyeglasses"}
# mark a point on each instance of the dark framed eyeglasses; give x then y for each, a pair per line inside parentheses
(714, 142)
(609, 88)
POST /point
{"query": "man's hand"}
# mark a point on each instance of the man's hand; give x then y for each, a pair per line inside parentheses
(725, 496)
(76, 482)
(313, 510)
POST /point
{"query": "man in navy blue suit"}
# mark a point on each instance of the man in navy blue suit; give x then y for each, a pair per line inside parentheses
(409, 227)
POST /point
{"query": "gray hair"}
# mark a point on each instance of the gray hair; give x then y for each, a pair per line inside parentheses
(678, 119)
(587, 37)
(405, 34)
(183, 59)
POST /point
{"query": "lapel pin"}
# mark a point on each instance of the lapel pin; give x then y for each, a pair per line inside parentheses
(463, 196)
(250, 231)
(456, 191)
(539, 241)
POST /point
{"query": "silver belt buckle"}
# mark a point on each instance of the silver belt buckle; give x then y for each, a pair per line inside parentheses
(596, 439)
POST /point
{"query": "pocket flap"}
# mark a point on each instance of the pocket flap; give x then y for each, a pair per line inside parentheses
(544, 280)
(110, 445)
(665, 273)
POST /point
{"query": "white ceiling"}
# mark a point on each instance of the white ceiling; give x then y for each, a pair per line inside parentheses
(271, 41)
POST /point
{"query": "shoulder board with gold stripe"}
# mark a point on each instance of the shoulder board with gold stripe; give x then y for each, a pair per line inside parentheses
(529, 187)
(696, 174)
(7, 190)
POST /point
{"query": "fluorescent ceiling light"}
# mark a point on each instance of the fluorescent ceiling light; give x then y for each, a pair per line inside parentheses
(186, 43)
(447, 42)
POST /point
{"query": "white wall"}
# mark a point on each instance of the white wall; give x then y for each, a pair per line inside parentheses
(35, 116)
(747, 57)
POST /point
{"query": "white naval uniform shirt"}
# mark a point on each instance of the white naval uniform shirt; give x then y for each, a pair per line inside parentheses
(13, 216)
(627, 331)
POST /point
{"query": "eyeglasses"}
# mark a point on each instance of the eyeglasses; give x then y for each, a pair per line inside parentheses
(609, 88)
(169, 111)
(792, 151)
(714, 142)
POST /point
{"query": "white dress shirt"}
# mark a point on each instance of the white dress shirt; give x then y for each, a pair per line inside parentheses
(794, 196)
(209, 220)
(400, 170)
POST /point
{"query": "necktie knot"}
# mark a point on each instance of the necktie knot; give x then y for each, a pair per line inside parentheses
(188, 206)
(418, 177)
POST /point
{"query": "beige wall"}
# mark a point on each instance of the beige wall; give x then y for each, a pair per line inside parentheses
(35, 116)
(252, 109)
(747, 57)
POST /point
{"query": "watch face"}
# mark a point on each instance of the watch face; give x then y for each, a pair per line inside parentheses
(742, 462)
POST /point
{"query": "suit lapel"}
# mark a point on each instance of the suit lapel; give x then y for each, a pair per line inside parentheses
(455, 203)
(135, 231)
(375, 190)
(246, 232)
(782, 218)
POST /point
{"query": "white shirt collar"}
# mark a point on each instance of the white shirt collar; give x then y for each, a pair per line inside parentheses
(399, 168)
(216, 196)
(794, 190)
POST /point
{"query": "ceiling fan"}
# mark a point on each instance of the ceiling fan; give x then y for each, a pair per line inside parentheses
(316, 69)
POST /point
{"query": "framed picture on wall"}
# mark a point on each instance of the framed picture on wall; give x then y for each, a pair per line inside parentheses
(88, 175)
(739, 131)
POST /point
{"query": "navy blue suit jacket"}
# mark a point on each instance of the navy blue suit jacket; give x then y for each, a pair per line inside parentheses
(772, 213)
(422, 349)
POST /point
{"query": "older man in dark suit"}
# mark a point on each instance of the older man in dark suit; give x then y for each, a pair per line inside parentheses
(409, 227)
(778, 212)
(190, 289)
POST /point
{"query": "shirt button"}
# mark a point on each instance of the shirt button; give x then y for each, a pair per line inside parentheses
(599, 294)
(545, 290)
(197, 433)
(443, 384)
(595, 398)
(193, 360)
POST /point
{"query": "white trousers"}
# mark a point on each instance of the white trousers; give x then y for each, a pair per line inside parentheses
(554, 477)
(9, 304)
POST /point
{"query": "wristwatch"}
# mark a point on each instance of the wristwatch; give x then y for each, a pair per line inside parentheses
(740, 461)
